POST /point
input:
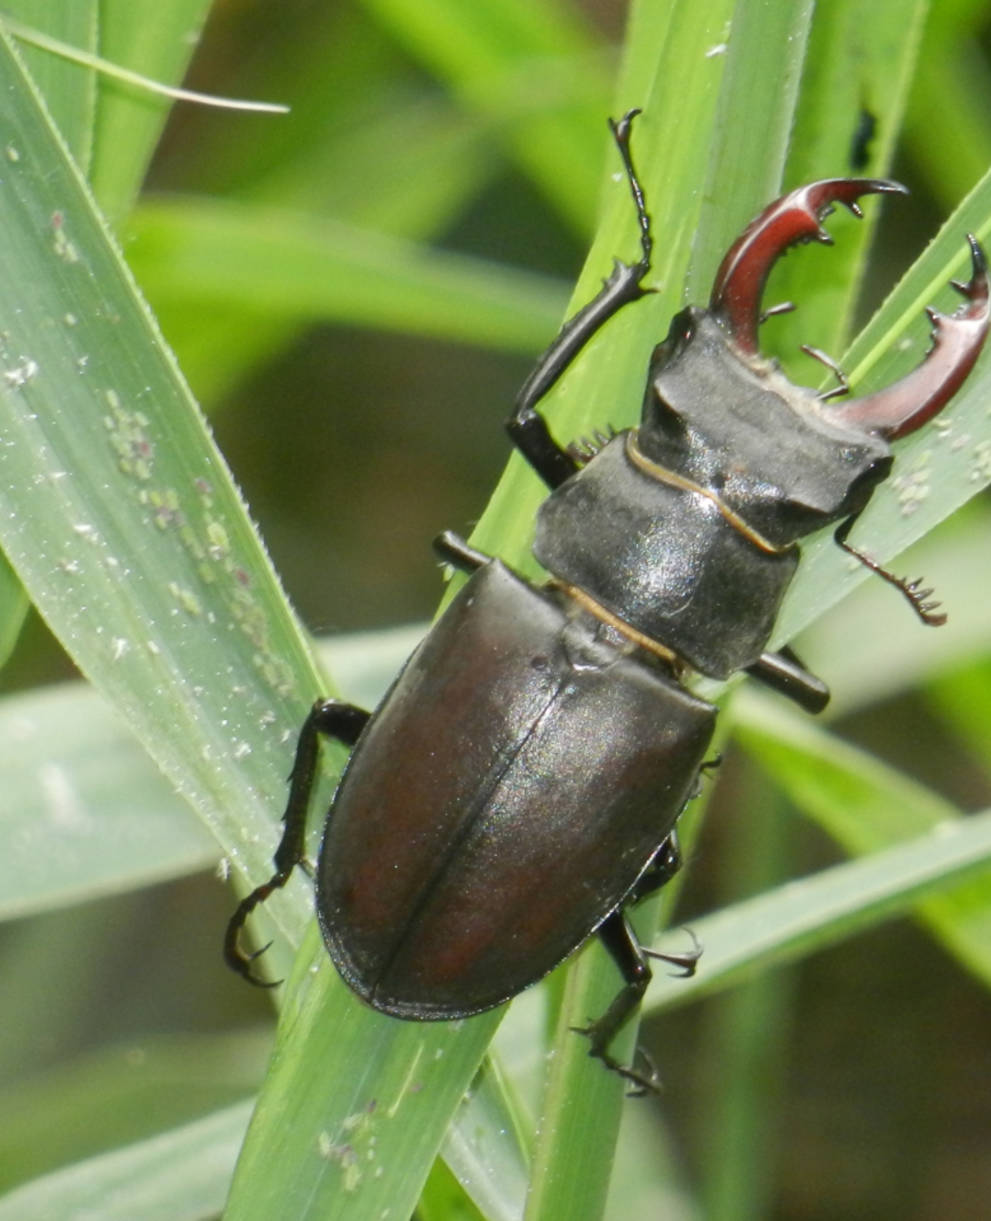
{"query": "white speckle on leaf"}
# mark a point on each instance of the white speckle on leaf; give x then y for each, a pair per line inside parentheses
(22, 373)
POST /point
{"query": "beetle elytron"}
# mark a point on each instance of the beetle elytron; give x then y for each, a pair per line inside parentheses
(519, 786)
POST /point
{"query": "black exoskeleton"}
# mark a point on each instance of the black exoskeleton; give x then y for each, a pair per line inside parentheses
(518, 788)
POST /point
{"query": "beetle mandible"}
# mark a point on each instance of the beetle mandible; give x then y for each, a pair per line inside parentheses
(519, 785)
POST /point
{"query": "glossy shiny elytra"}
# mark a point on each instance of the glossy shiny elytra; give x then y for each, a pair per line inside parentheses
(518, 788)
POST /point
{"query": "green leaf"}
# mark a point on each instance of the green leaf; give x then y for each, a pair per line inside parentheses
(859, 65)
(156, 39)
(800, 917)
(128, 533)
(299, 266)
(947, 133)
(14, 607)
(69, 91)
(87, 812)
(123, 1094)
(582, 1105)
(873, 648)
(73, 780)
(527, 67)
(867, 806)
(111, 127)
(178, 1176)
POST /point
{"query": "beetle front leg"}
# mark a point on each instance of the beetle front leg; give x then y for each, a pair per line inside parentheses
(329, 718)
(927, 611)
(527, 428)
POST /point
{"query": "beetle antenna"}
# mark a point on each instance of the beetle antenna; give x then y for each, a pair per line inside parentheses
(927, 611)
(825, 359)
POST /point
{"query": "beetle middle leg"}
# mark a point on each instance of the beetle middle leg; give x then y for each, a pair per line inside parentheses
(784, 672)
(527, 428)
(327, 718)
(453, 549)
(666, 863)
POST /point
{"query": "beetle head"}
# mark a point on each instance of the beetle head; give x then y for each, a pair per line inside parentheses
(768, 449)
(722, 415)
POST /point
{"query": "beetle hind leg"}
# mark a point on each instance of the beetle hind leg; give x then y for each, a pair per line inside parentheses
(327, 718)
(631, 958)
(619, 939)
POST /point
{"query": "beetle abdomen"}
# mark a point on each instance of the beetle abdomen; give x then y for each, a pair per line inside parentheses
(516, 825)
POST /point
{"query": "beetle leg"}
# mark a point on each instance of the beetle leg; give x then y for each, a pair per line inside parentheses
(453, 549)
(795, 217)
(916, 398)
(621, 942)
(666, 863)
(527, 428)
(910, 589)
(330, 718)
(663, 866)
(783, 672)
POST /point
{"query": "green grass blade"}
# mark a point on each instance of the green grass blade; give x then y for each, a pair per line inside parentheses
(765, 61)
(119, 515)
(406, 173)
(799, 917)
(73, 781)
(672, 159)
(529, 68)
(963, 699)
(75, 778)
(111, 127)
(121, 1094)
(947, 133)
(866, 806)
(301, 266)
(860, 63)
(70, 92)
(123, 524)
(582, 1104)
(870, 649)
(178, 1176)
(156, 38)
(362, 1133)
(13, 609)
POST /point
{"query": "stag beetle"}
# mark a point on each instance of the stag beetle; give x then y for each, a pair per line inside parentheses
(518, 788)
